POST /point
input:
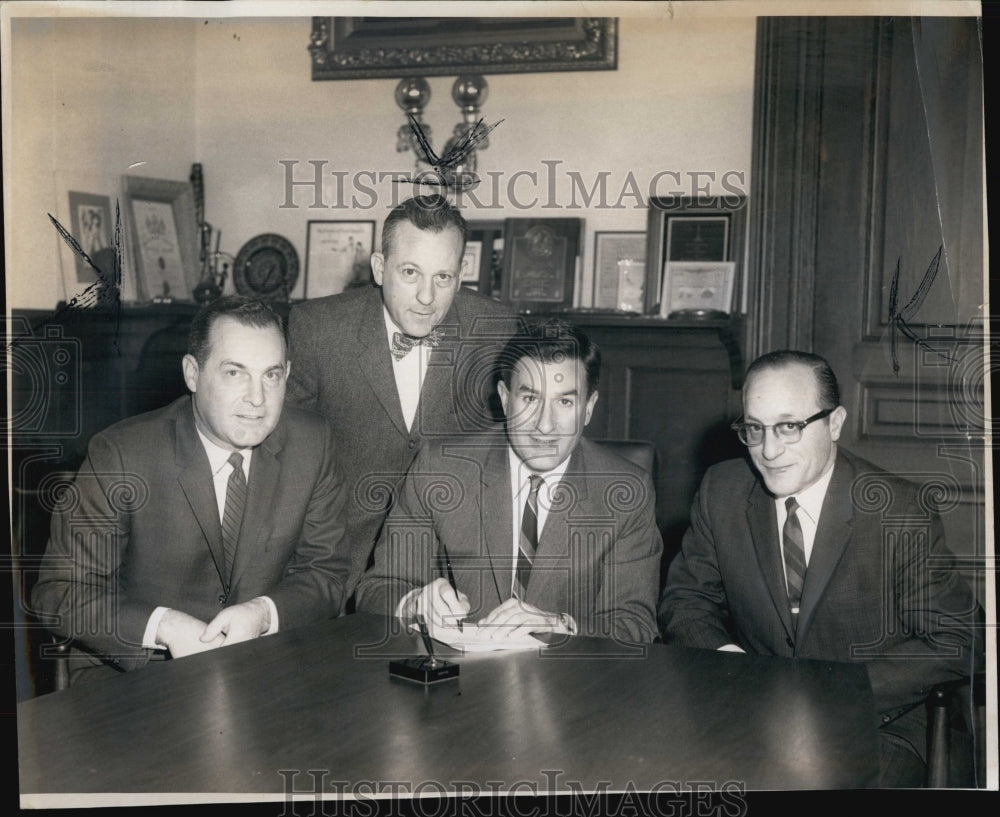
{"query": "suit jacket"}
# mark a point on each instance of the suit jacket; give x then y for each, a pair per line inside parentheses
(341, 367)
(878, 588)
(598, 553)
(139, 528)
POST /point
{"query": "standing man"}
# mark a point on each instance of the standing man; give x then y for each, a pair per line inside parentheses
(534, 530)
(808, 551)
(214, 520)
(395, 365)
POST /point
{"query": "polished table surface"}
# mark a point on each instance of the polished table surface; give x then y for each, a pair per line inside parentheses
(317, 703)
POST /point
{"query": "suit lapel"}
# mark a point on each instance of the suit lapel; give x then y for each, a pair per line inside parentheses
(262, 490)
(497, 515)
(375, 361)
(762, 520)
(195, 478)
(832, 535)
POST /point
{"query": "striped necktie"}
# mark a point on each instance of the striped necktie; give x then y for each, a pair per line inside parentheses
(232, 516)
(795, 555)
(528, 540)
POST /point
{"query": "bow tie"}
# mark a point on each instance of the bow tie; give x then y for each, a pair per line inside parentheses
(402, 344)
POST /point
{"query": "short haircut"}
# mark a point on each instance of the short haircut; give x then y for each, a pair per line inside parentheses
(244, 310)
(551, 341)
(431, 213)
(826, 380)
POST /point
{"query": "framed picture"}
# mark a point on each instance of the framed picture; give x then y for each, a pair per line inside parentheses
(472, 263)
(91, 225)
(620, 271)
(708, 230)
(164, 232)
(338, 256)
(393, 47)
(488, 236)
(539, 263)
(697, 289)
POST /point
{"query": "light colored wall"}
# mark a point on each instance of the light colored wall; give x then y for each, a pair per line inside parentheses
(236, 95)
(91, 100)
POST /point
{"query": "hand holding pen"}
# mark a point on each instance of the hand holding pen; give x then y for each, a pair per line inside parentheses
(440, 604)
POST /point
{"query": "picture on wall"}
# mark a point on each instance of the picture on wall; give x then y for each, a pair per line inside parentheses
(338, 256)
(91, 225)
(163, 227)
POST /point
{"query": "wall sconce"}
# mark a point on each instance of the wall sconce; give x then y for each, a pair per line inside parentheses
(469, 92)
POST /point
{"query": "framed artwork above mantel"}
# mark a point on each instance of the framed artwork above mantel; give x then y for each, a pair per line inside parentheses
(393, 47)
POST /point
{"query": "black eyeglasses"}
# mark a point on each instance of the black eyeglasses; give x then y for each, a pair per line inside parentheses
(790, 431)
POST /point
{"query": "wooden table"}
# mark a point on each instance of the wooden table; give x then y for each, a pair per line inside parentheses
(317, 703)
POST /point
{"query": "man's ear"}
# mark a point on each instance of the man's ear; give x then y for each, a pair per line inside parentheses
(378, 267)
(837, 417)
(504, 393)
(189, 365)
(288, 369)
(591, 402)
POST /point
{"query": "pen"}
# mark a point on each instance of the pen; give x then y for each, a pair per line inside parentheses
(451, 573)
(426, 636)
(451, 578)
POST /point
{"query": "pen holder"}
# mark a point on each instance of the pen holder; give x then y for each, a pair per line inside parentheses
(425, 670)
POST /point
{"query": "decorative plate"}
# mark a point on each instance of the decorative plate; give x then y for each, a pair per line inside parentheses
(267, 266)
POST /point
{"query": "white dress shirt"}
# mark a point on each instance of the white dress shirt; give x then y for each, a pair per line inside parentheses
(409, 371)
(218, 461)
(810, 504)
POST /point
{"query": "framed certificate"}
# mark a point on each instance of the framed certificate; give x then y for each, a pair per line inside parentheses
(338, 256)
(708, 233)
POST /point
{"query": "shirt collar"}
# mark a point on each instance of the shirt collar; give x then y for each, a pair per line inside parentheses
(811, 499)
(218, 457)
(519, 472)
(390, 325)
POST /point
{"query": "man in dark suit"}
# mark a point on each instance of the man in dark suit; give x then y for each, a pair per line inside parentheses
(859, 571)
(395, 365)
(534, 530)
(214, 520)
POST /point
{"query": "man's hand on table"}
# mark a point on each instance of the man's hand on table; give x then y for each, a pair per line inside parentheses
(183, 634)
(515, 618)
(439, 603)
(241, 622)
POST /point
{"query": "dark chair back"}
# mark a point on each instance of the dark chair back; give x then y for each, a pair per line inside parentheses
(956, 740)
(640, 452)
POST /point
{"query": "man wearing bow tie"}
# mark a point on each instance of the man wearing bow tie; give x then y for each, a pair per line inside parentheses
(394, 365)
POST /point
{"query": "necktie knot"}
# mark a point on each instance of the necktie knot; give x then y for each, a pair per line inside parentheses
(791, 505)
(402, 343)
(236, 460)
(535, 482)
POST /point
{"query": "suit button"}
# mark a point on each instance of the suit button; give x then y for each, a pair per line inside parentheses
(886, 719)
(790, 643)
(413, 444)
(222, 599)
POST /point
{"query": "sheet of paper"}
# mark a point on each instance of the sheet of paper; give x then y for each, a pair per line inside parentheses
(472, 638)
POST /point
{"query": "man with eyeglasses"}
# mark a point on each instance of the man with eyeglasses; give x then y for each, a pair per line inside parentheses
(808, 551)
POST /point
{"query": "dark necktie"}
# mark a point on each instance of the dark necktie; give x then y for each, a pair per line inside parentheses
(528, 540)
(402, 344)
(232, 516)
(795, 555)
